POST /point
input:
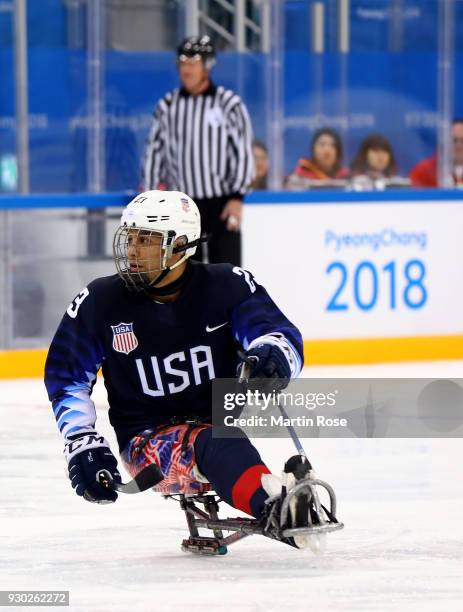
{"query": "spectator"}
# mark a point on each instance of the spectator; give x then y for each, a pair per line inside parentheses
(325, 161)
(260, 153)
(425, 173)
(200, 144)
(374, 158)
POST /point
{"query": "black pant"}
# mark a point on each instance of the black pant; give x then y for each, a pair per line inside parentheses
(224, 246)
(234, 468)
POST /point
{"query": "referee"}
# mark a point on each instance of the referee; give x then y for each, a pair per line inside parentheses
(200, 143)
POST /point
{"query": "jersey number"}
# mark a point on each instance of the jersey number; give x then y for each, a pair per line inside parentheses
(75, 305)
(247, 277)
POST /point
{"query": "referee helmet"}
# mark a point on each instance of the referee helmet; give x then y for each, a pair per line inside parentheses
(200, 47)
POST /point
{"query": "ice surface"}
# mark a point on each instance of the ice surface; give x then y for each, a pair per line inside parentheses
(401, 502)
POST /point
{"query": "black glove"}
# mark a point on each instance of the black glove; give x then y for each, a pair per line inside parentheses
(267, 361)
(87, 453)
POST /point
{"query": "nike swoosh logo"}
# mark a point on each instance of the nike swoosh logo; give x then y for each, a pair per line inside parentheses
(211, 329)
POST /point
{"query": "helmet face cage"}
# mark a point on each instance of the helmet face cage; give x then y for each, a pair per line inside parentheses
(151, 250)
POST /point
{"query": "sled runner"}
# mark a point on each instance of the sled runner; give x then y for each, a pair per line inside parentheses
(295, 515)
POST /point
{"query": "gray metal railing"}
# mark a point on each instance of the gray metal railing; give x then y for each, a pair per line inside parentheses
(232, 23)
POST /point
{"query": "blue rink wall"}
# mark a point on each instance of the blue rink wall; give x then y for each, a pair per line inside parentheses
(355, 96)
(367, 277)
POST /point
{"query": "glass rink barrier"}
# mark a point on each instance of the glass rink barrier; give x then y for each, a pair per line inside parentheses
(52, 246)
(382, 67)
(366, 276)
(381, 76)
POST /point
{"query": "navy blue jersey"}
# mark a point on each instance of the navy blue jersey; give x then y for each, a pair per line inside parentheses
(158, 360)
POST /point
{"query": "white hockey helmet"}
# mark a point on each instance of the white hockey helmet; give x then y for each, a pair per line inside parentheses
(170, 215)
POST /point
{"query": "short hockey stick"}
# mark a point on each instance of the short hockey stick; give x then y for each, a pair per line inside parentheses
(146, 479)
(293, 434)
(244, 377)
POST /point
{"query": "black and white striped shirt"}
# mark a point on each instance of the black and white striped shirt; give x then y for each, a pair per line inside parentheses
(200, 145)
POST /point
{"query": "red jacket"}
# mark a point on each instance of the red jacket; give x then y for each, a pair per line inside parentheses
(424, 174)
(308, 169)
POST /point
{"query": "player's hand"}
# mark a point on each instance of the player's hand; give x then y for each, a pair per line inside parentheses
(232, 213)
(267, 361)
(87, 453)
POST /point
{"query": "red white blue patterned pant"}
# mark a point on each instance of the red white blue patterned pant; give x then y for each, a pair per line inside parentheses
(184, 453)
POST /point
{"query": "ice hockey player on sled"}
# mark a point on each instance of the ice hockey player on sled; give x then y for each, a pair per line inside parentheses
(161, 329)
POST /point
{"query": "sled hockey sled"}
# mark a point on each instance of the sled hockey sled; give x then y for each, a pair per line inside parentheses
(202, 512)
(282, 521)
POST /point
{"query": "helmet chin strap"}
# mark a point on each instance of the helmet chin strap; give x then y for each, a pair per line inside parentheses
(170, 287)
(175, 285)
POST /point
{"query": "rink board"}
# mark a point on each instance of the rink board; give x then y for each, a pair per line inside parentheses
(30, 363)
(367, 277)
(366, 280)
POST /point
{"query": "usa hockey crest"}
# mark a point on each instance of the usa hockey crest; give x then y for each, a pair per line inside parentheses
(124, 340)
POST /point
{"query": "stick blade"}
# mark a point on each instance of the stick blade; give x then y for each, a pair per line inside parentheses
(146, 479)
